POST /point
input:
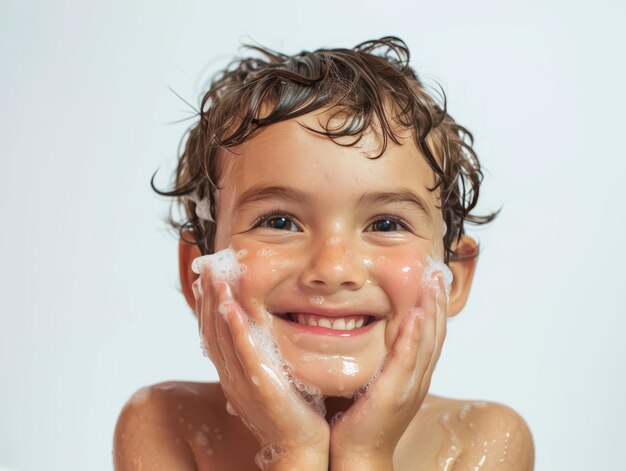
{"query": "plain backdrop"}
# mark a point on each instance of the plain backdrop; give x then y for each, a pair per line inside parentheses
(90, 303)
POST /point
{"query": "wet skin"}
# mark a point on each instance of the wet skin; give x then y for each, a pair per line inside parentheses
(342, 238)
(356, 253)
(323, 230)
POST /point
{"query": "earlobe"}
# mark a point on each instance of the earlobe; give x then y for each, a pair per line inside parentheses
(187, 252)
(463, 271)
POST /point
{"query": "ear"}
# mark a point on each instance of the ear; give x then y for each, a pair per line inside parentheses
(187, 252)
(463, 272)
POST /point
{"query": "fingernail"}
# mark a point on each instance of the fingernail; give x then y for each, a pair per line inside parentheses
(417, 312)
(196, 287)
(223, 310)
(198, 262)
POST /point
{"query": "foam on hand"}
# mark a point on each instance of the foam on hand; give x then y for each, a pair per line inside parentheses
(266, 342)
(224, 265)
(437, 265)
(268, 455)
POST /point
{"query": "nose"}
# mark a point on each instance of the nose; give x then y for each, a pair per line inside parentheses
(333, 266)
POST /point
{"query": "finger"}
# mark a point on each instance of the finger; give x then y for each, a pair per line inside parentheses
(207, 316)
(396, 383)
(441, 321)
(254, 361)
(197, 296)
(207, 293)
(428, 332)
(404, 355)
(441, 301)
(196, 288)
(435, 303)
(225, 302)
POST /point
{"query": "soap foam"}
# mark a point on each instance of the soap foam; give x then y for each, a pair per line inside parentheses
(203, 348)
(268, 455)
(230, 409)
(404, 396)
(265, 342)
(310, 394)
(224, 265)
(437, 265)
(203, 206)
(363, 389)
(338, 416)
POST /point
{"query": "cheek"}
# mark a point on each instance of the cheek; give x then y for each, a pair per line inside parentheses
(399, 274)
(266, 268)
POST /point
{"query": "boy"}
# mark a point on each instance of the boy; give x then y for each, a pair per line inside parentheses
(330, 189)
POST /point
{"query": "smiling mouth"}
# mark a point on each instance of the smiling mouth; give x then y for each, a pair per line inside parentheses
(346, 323)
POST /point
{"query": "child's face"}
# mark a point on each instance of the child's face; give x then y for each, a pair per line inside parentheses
(329, 232)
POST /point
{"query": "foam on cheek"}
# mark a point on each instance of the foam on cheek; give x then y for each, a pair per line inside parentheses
(265, 341)
(224, 265)
(437, 265)
(266, 252)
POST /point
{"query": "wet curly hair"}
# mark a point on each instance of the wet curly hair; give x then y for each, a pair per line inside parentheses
(369, 85)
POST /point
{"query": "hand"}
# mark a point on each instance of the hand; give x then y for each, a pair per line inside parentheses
(366, 435)
(256, 387)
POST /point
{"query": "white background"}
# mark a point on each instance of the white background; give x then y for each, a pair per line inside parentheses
(90, 307)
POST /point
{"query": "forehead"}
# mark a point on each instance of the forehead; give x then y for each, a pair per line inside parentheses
(293, 153)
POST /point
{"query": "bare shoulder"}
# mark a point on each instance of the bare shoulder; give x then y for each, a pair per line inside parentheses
(482, 434)
(171, 425)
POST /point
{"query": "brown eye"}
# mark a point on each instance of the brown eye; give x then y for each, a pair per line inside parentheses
(386, 225)
(281, 223)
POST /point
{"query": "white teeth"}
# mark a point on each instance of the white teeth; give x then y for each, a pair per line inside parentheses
(324, 323)
(337, 324)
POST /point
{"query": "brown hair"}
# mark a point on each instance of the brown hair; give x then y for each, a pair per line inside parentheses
(371, 83)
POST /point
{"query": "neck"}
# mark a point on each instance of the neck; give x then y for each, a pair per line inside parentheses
(335, 405)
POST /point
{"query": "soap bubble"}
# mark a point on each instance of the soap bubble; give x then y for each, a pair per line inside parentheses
(230, 409)
(437, 265)
(224, 265)
(268, 455)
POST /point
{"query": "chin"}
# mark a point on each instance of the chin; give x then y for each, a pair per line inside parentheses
(334, 377)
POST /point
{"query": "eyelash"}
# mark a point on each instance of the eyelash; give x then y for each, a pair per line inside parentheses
(276, 213)
(395, 219)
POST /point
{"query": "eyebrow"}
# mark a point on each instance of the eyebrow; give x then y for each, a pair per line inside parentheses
(399, 196)
(259, 193)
